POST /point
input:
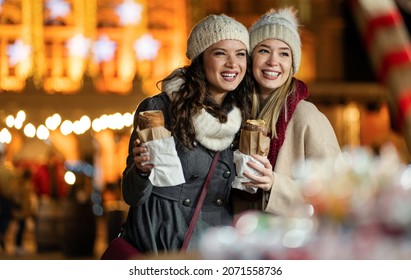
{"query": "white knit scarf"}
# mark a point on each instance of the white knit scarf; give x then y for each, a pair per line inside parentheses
(210, 132)
(213, 134)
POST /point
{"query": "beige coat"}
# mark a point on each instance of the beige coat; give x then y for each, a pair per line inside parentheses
(309, 134)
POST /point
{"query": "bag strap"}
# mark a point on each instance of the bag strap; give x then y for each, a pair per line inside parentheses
(200, 201)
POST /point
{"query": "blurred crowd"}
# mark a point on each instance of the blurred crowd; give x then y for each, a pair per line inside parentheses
(18, 201)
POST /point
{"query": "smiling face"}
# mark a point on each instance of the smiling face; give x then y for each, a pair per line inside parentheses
(225, 65)
(272, 62)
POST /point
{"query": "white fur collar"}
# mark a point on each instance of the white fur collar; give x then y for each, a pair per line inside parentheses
(173, 85)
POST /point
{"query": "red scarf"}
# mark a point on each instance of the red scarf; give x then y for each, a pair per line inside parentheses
(300, 93)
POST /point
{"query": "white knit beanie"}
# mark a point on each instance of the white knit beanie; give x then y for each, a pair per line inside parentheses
(213, 29)
(279, 24)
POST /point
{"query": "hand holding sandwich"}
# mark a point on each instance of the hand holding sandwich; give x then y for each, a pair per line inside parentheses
(262, 176)
(155, 153)
(253, 168)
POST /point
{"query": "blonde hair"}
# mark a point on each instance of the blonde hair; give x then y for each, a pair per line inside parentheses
(271, 109)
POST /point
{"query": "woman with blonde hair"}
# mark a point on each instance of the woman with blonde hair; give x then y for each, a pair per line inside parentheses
(298, 130)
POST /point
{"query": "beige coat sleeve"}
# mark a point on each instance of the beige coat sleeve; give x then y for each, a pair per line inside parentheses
(284, 197)
(309, 134)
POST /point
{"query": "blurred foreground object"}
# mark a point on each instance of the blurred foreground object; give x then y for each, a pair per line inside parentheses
(358, 207)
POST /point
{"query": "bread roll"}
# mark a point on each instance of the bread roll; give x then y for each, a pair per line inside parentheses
(256, 125)
(150, 119)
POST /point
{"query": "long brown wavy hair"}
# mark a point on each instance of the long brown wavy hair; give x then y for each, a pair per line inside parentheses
(194, 95)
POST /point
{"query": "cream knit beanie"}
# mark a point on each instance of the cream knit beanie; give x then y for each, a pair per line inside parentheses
(213, 29)
(279, 24)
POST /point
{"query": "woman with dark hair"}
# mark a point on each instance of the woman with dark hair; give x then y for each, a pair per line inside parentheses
(204, 105)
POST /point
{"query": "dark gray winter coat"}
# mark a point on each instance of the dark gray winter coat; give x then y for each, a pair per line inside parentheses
(159, 216)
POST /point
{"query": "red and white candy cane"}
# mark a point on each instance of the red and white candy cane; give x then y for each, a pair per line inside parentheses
(389, 46)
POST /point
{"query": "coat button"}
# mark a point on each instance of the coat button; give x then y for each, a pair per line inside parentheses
(194, 176)
(187, 202)
(219, 202)
(195, 143)
(227, 174)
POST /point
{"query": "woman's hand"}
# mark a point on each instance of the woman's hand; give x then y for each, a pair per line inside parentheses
(264, 178)
(141, 156)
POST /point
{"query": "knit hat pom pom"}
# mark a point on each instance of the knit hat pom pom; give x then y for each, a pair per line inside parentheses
(289, 15)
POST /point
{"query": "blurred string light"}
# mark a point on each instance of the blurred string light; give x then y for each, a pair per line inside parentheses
(5, 136)
(66, 127)
(70, 178)
(29, 130)
(116, 121)
(53, 122)
(42, 132)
